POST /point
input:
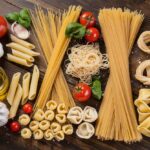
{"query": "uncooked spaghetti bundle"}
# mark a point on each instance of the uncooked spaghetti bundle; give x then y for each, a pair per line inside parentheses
(117, 120)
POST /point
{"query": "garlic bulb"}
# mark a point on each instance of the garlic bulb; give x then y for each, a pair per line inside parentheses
(1, 50)
(4, 112)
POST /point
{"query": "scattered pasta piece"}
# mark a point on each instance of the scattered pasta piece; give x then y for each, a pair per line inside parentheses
(61, 118)
(39, 115)
(26, 133)
(24, 119)
(55, 127)
(85, 130)
(67, 129)
(38, 134)
(59, 135)
(61, 109)
(49, 115)
(48, 135)
(34, 125)
(52, 105)
(44, 125)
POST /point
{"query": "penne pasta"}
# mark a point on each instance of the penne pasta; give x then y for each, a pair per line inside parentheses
(15, 105)
(13, 87)
(18, 60)
(25, 87)
(22, 42)
(21, 48)
(34, 83)
(22, 55)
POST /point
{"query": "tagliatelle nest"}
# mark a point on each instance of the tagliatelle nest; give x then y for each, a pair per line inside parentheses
(86, 61)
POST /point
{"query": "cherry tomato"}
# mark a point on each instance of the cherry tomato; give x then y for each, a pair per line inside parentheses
(87, 19)
(27, 108)
(15, 126)
(3, 26)
(82, 92)
(92, 34)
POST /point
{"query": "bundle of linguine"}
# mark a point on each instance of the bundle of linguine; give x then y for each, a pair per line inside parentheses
(117, 119)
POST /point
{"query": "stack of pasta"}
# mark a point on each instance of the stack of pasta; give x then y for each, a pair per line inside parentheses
(117, 119)
(50, 28)
(22, 52)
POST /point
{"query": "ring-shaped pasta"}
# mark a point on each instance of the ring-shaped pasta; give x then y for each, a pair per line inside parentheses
(61, 118)
(38, 134)
(44, 125)
(39, 115)
(24, 119)
(34, 125)
(59, 135)
(48, 135)
(67, 129)
(26, 133)
(52, 105)
(55, 127)
(49, 115)
(61, 109)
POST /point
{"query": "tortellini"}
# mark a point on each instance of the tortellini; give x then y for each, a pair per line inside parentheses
(34, 125)
(61, 109)
(26, 133)
(67, 129)
(38, 134)
(52, 105)
(39, 115)
(61, 118)
(55, 127)
(49, 115)
(90, 114)
(48, 135)
(75, 115)
(59, 135)
(24, 119)
(85, 130)
(44, 125)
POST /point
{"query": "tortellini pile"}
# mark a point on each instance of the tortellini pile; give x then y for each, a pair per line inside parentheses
(76, 115)
(51, 124)
(143, 108)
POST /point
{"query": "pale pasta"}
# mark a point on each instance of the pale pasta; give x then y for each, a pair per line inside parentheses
(39, 115)
(62, 109)
(48, 135)
(61, 118)
(13, 87)
(16, 102)
(24, 119)
(25, 87)
(38, 134)
(22, 42)
(52, 105)
(34, 125)
(59, 135)
(34, 83)
(67, 129)
(44, 125)
(26, 133)
(85, 130)
(55, 127)
(49, 115)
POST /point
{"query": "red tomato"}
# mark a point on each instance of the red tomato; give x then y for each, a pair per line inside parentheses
(87, 19)
(92, 34)
(3, 26)
(82, 92)
(27, 108)
(15, 126)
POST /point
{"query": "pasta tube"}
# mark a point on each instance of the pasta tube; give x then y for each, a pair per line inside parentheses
(34, 83)
(25, 87)
(22, 55)
(18, 60)
(22, 42)
(13, 87)
(15, 105)
(23, 49)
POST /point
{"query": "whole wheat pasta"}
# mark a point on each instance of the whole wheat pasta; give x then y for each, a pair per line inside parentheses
(13, 87)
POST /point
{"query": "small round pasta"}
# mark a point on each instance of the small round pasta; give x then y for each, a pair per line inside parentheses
(67, 129)
(49, 115)
(38, 134)
(61, 109)
(61, 118)
(55, 127)
(48, 135)
(44, 125)
(59, 135)
(52, 105)
(34, 125)
(26, 133)
(24, 119)
(39, 115)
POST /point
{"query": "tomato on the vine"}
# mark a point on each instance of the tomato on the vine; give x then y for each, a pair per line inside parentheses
(92, 34)
(27, 108)
(82, 92)
(3, 26)
(15, 126)
(87, 19)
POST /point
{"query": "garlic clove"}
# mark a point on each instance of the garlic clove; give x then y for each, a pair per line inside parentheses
(1, 50)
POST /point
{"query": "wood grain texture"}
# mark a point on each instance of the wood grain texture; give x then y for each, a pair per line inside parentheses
(10, 141)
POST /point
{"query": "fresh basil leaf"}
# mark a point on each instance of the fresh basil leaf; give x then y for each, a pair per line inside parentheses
(26, 23)
(11, 17)
(24, 14)
(96, 89)
(75, 30)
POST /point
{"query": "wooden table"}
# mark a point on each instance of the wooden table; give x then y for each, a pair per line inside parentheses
(10, 141)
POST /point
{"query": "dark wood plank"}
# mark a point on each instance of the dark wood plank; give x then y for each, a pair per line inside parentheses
(11, 141)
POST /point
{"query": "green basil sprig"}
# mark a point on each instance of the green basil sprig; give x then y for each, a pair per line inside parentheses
(75, 30)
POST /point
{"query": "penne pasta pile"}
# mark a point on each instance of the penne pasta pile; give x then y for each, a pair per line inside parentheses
(18, 93)
(22, 52)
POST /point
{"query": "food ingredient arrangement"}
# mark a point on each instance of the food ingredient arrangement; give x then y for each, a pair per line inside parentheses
(50, 110)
